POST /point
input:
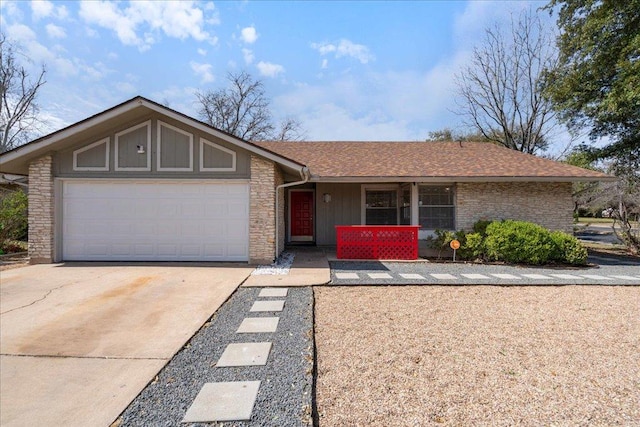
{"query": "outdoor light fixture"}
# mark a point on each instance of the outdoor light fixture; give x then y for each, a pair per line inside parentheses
(140, 149)
(326, 197)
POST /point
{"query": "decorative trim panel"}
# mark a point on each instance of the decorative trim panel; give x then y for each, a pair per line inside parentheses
(215, 146)
(104, 141)
(146, 124)
(160, 168)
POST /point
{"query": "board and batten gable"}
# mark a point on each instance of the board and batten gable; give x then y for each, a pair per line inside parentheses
(153, 146)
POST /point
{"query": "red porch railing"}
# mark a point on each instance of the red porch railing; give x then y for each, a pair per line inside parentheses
(377, 241)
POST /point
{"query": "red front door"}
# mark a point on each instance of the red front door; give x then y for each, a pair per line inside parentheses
(301, 218)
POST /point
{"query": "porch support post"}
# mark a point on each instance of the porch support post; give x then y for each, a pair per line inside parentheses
(415, 209)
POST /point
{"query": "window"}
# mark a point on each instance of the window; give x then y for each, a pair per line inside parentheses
(437, 208)
(405, 206)
(381, 207)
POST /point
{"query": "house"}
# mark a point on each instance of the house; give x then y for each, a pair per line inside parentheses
(142, 182)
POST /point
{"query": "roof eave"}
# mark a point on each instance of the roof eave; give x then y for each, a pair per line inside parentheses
(447, 179)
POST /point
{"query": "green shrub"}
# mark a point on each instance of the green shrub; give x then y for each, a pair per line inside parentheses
(13, 216)
(480, 227)
(568, 249)
(518, 242)
(473, 247)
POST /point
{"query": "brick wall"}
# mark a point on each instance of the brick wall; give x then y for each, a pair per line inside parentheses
(282, 230)
(41, 211)
(262, 226)
(547, 204)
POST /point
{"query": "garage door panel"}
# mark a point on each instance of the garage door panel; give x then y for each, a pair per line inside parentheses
(155, 221)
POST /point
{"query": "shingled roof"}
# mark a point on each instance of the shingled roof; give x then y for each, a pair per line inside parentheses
(425, 161)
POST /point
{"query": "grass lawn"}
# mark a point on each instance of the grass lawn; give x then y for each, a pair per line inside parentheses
(587, 220)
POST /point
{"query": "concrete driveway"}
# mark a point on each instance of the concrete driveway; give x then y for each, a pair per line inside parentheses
(79, 341)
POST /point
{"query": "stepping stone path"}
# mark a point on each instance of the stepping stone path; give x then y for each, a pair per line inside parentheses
(234, 401)
(465, 277)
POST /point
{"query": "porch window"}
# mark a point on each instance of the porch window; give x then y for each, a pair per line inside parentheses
(381, 207)
(437, 209)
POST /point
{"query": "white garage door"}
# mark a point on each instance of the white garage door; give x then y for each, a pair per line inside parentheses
(155, 221)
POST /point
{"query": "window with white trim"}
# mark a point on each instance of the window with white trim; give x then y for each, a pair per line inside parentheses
(436, 207)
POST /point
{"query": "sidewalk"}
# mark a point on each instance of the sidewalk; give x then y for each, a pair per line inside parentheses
(310, 268)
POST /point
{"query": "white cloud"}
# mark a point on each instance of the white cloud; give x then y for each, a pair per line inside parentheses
(41, 9)
(55, 32)
(249, 35)
(392, 105)
(247, 54)
(177, 19)
(204, 71)
(45, 8)
(52, 56)
(325, 63)
(202, 52)
(269, 69)
(345, 48)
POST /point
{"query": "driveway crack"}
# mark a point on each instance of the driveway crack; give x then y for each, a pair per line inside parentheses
(34, 302)
(47, 294)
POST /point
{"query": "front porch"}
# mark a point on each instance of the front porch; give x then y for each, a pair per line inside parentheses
(313, 210)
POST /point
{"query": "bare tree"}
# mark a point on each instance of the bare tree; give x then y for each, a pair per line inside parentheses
(501, 90)
(290, 130)
(18, 107)
(242, 109)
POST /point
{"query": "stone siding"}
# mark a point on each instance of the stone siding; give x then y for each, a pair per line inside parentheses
(41, 211)
(546, 203)
(282, 230)
(262, 211)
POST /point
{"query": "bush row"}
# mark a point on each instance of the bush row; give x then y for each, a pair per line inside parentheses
(511, 241)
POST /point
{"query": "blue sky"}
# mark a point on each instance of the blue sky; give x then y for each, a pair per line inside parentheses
(347, 70)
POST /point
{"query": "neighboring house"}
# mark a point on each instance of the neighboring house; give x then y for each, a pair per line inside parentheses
(142, 182)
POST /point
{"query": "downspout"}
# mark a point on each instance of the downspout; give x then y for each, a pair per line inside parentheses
(304, 173)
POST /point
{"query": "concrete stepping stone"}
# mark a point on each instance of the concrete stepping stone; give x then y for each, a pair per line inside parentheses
(443, 276)
(411, 276)
(257, 325)
(506, 276)
(276, 305)
(567, 276)
(347, 276)
(626, 277)
(273, 292)
(475, 276)
(537, 276)
(596, 277)
(224, 401)
(245, 354)
(379, 275)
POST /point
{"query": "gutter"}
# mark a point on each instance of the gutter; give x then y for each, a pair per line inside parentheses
(5, 180)
(305, 175)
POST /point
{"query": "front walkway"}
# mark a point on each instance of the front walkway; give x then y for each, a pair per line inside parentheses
(316, 266)
(394, 273)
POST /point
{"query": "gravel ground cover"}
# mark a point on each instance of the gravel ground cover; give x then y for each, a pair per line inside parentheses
(425, 268)
(448, 355)
(285, 394)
